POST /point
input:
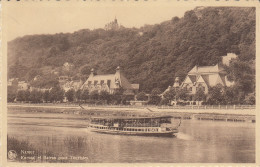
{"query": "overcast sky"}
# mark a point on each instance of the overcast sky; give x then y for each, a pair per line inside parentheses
(50, 18)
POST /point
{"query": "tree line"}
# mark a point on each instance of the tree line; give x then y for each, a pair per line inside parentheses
(217, 95)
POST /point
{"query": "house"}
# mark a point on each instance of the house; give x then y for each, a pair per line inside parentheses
(75, 85)
(226, 59)
(110, 83)
(22, 85)
(39, 89)
(67, 66)
(64, 79)
(204, 77)
(12, 82)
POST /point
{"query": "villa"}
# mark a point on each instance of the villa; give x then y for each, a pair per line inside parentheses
(110, 83)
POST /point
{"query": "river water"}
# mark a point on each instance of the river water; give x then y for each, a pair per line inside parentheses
(197, 141)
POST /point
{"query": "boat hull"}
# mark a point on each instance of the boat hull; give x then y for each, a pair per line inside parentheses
(135, 133)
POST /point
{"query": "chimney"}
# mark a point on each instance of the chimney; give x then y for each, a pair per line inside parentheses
(176, 82)
(92, 73)
(118, 70)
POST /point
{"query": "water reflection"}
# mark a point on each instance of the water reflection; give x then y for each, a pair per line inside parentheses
(198, 141)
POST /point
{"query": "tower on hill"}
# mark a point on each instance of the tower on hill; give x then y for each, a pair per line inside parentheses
(112, 25)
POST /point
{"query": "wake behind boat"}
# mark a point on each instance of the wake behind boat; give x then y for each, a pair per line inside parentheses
(142, 126)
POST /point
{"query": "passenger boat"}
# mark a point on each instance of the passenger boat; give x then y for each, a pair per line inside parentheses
(143, 126)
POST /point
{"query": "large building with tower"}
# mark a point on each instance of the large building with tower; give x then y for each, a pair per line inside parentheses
(110, 83)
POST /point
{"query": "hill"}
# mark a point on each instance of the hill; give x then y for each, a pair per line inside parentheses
(152, 55)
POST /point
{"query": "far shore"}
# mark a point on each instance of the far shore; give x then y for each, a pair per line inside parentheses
(151, 109)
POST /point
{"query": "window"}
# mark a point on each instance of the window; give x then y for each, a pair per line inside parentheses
(108, 83)
(95, 83)
(101, 82)
(190, 89)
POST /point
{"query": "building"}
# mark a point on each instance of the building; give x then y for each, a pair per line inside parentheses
(12, 82)
(110, 83)
(112, 25)
(68, 66)
(75, 85)
(226, 59)
(22, 85)
(205, 77)
(39, 89)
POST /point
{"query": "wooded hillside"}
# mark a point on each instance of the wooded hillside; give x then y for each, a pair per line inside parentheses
(151, 55)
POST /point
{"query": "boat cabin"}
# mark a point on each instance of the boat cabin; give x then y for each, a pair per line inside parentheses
(155, 126)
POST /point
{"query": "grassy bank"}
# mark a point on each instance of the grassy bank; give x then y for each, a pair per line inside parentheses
(29, 153)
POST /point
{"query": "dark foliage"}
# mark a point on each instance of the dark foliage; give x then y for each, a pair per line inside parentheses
(152, 59)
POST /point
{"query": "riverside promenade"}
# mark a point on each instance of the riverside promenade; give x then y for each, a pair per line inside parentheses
(217, 113)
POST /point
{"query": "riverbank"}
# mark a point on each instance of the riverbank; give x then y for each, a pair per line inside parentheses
(241, 115)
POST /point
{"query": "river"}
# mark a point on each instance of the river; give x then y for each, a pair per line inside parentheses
(196, 142)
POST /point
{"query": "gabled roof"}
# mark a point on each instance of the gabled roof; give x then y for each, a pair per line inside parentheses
(124, 82)
(201, 80)
(187, 80)
(135, 86)
(193, 78)
(213, 80)
(206, 69)
(118, 77)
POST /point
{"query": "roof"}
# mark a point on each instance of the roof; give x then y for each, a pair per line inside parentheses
(192, 78)
(135, 86)
(206, 69)
(114, 78)
(212, 80)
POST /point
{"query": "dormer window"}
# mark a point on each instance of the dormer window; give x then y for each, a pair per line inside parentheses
(108, 83)
(95, 83)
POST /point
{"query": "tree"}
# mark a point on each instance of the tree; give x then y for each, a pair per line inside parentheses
(199, 95)
(57, 94)
(78, 94)
(23, 95)
(85, 95)
(119, 91)
(141, 96)
(70, 94)
(36, 96)
(170, 95)
(94, 95)
(250, 99)
(46, 96)
(11, 94)
(104, 95)
(229, 95)
(155, 96)
(215, 95)
(182, 94)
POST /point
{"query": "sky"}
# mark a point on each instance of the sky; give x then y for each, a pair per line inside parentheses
(50, 18)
